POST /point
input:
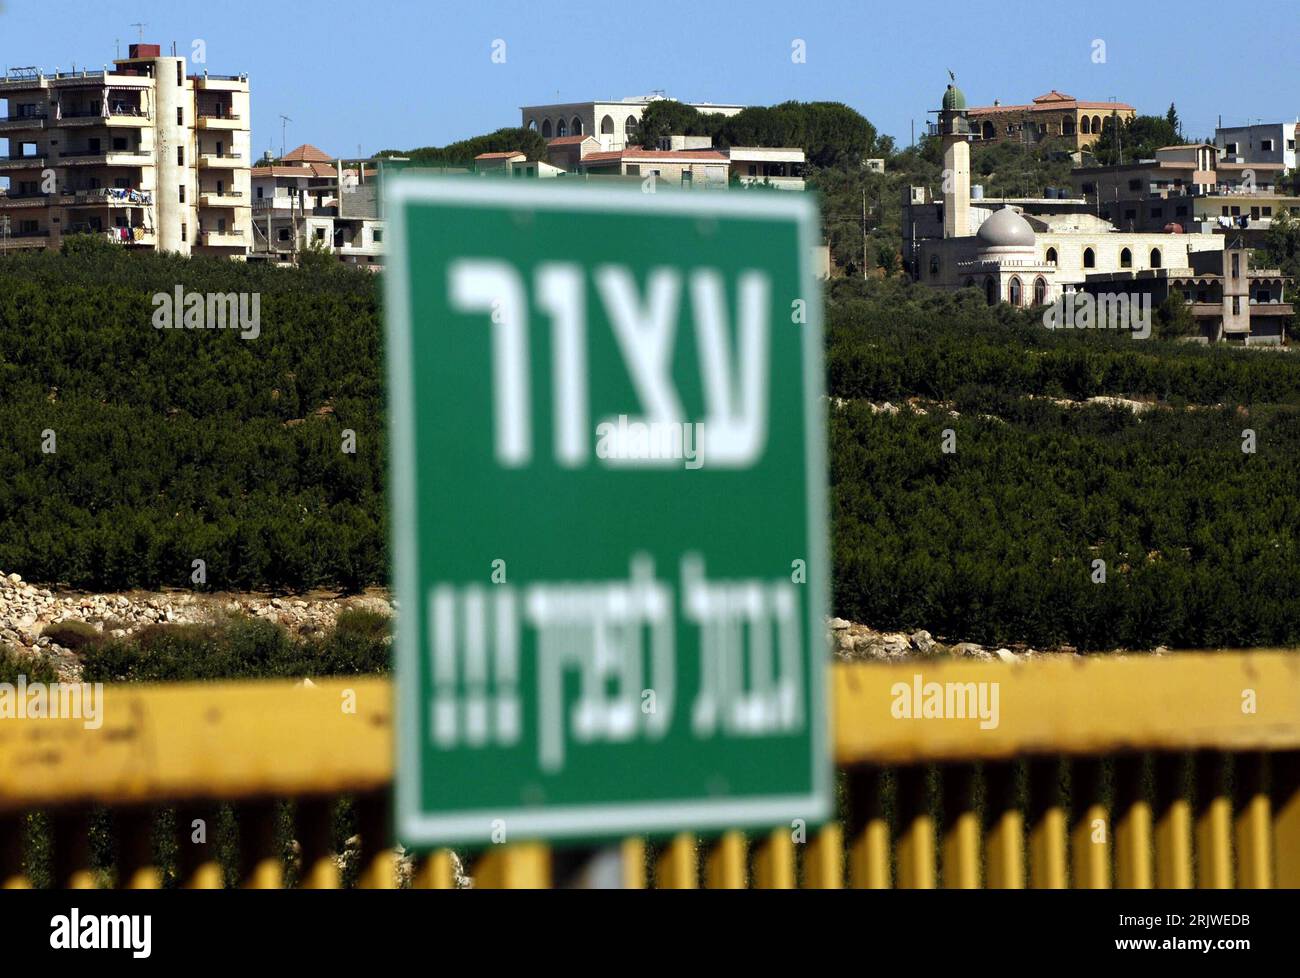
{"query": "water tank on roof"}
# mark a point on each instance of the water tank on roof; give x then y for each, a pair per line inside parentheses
(977, 191)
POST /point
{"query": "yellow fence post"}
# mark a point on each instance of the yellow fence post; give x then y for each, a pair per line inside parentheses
(961, 829)
(823, 861)
(724, 868)
(72, 851)
(196, 848)
(260, 864)
(1047, 834)
(774, 861)
(677, 868)
(1252, 828)
(521, 866)
(1173, 828)
(12, 871)
(1005, 845)
(319, 863)
(1213, 823)
(434, 871)
(869, 850)
(1133, 840)
(378, 857)
(1286, 819)
(916, 855)
(634, 869)
(1090, 839)
(136, 869)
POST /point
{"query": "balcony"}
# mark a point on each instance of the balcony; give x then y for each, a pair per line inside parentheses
(21, 123)
(121, 115)
(13, 201)
(223, 198)
(106, 157)
(220, 161)
(223, 239)
(10, 240)
(227, 121)
(8, 163)
(106, 197)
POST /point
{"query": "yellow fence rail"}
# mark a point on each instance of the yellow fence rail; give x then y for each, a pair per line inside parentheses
(1171, 771)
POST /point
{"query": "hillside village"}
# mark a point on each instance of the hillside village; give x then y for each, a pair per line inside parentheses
(150, 155)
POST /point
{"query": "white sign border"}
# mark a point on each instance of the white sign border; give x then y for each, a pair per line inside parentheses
(419, 829)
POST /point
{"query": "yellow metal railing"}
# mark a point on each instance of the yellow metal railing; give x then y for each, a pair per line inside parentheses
(1171, 771)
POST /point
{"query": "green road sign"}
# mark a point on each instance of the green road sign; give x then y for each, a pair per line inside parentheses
(609, 527)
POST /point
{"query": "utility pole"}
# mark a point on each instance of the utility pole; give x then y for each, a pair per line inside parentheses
(864, 233)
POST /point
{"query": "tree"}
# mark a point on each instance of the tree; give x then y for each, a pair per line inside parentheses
(1135, 139)
(1171, 117)
(462, 153)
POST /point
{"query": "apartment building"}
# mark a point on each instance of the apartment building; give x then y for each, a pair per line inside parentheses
(311, 200)
(144, 154)
(1272, 142)
(1192, 188)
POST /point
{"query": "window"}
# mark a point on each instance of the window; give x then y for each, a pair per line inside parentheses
(1126, 259)
(1266, 211)
(180, 74)
(284, 234)
(1013, 291)
(119, 144)
(561, 129)
(1085, 125)
(934, 264)
(687, 178)
(1155, 257)
(607, 126)
(1089, 188)
(990, 291)
(1236, 265)
(378, 235)
(1230, 149)
(259, 193)
(1051, 256)
(180, 116)
(320, 234)
(185, 232)
(546, 128)
(182, 193)
(1040, 291)
(180, 155)
(1264, 295)
(753, 170)
(1266, 145)
(576, 127)
(1236, 305)
(1089, 258)
(532, 125)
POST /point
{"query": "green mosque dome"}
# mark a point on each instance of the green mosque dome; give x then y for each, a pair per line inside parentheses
(954, 100)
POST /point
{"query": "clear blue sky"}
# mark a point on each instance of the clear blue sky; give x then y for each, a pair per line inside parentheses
(403, 73)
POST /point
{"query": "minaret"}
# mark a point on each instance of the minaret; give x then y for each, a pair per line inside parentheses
(954, 130)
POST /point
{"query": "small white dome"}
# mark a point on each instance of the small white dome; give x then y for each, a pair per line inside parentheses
(1006, 229)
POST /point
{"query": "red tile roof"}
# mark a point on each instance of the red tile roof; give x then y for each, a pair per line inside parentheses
(1052, 101)
(499, 156)
(567, 140)
(307, 153)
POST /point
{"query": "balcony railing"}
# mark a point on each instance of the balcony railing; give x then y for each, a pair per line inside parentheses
(225, 116)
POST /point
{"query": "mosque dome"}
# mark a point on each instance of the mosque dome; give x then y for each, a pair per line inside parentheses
(1005, 229)
(953, 99)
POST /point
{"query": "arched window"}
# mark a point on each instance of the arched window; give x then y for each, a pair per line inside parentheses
(991, 291)
(934, 264)
(630, 124)
(1013, 291)
(1040, 291)
(1155, 257)
(1085, 125)
(1096, 124)
(987, 130)
(576, 127)
(1126, 259)
(1089, 258)
(532, 125)
(546, 128)
(561, 128)
(607, 125)
(1067, 126)
(1051, 256)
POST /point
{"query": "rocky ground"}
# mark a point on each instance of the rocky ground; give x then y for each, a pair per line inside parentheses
(26, 609)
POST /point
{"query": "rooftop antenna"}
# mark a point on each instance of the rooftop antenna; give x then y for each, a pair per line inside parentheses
(284, 119)
(140, 31)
